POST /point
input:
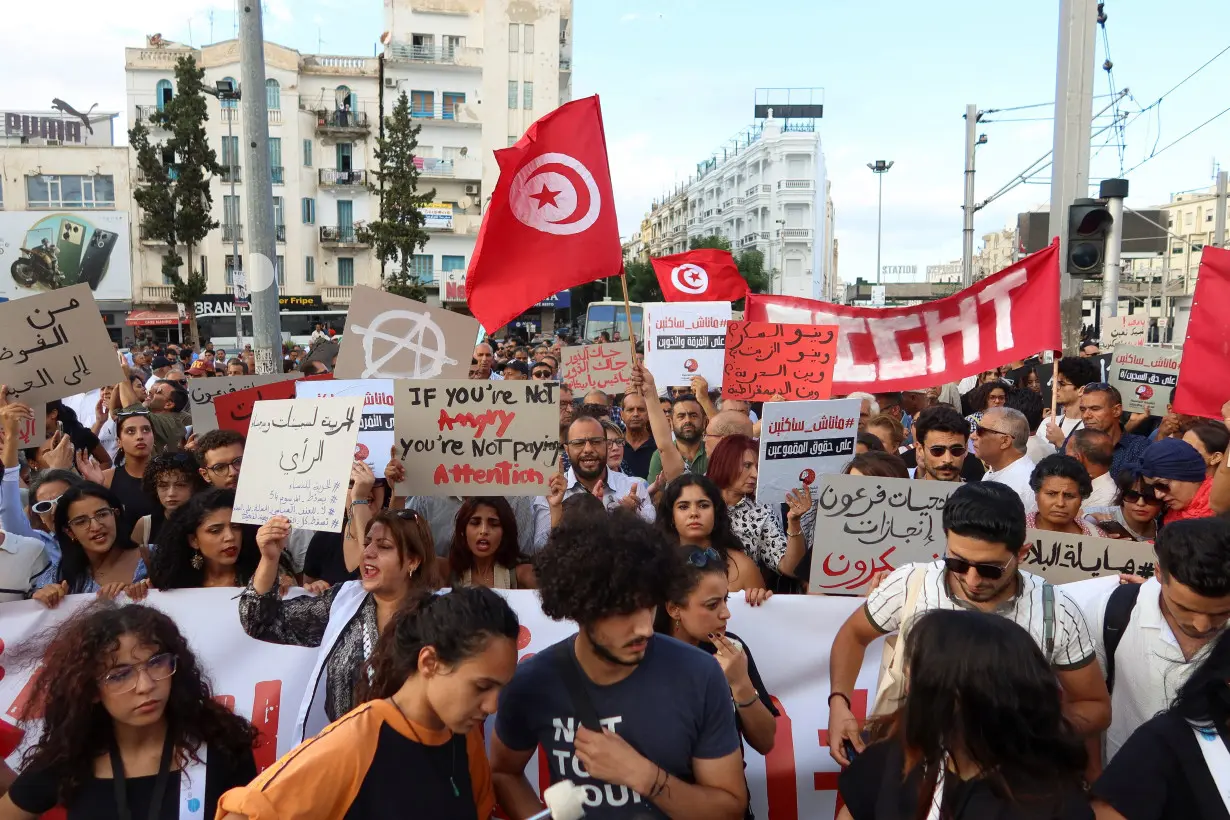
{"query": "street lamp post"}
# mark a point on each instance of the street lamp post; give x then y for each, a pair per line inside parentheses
(226, 91)
(879, 168)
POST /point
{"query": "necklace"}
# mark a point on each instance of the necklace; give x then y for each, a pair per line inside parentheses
(452, 779)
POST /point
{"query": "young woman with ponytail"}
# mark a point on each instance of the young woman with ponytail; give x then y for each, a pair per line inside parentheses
(414, 749)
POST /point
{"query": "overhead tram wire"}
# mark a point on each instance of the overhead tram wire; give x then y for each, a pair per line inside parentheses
(1175, 142)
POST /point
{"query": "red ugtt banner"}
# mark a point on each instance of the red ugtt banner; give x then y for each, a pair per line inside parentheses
(704, 275)
(1009, 315)
(551, 222)
(1204, 374)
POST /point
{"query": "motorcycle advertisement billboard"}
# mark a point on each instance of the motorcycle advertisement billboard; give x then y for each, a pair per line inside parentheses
(41, 251)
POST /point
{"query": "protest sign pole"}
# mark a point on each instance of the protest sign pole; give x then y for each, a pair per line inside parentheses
(623, 280)
(1054, 385)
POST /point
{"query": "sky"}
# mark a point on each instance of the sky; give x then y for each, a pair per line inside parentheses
(677, 78)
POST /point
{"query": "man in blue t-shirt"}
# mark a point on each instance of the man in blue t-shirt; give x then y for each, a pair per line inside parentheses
(667, 745)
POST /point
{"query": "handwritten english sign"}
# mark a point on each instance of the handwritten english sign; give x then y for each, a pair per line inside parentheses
(1064, 557)
(606, 367)
(376, 427)
(801, 441)
(1144, 376)
(1125, 330)
(54, 345)
(297, 462)
(866, 524)
(202, 393)
(685, 339)
(764, 360)
(462, 437)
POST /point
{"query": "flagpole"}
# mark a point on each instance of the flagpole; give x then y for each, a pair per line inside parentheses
(1054, 384)
(623, 280)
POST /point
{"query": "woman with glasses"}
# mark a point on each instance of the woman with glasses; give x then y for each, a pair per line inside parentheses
(1060, 484)
(697, 614)
(993, 393)
(345, 621)
(693, 511)
(1178, 475)
(614, 445)
(136, 435)
(96, 554)
(485, 550)
(1133, 514)
(130, 728)
(170, 479)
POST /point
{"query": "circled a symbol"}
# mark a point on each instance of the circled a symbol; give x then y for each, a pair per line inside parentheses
(416, 334)
(690, 278)
(555, 193)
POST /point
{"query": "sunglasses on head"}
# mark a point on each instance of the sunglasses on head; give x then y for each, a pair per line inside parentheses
(125, 414)
(701, 558)
(960, 566)
(1096, 386)
(937, 450)
(407, 515)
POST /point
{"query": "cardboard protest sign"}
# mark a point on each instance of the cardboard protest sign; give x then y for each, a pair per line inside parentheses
(865, 524)
(297, 462)
(54, 345)
(1061, 557)
(606, 367)
(1144, 376)
(376, 428)
(685, 339)
(459, 437)
(203, 392)
(801, 440)
(764, 360)
(1125, 330)
(390, 337)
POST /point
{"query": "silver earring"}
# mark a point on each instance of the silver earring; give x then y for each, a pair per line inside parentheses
(198, 561)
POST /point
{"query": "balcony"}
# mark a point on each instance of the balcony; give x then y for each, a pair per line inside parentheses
(149, 114)
(337, 294)
(232, 233)
(156, 294)
(279, 233)
(276, 173)
(795, 233)
(795, 184)
(450, 113)
(230, 173)
(462, 168)
(230, 113)
(678, 229)
(337, 236)
(333, 178)
(342, 123)
(460, 56)
(275, 116)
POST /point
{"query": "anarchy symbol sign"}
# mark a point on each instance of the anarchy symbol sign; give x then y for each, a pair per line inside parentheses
(402, 344)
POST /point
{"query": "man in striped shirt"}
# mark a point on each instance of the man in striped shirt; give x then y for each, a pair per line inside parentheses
(985, 527)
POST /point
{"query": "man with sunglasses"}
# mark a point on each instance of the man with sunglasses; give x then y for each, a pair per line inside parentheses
(1102, 410)
(984, 523)
(941, 447)
(1001, 439)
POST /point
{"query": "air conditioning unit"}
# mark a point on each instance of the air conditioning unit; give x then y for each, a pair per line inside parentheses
(389, 82)
(54, 142)
(472, 190)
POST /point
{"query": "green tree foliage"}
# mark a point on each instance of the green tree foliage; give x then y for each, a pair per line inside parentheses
(399, 232)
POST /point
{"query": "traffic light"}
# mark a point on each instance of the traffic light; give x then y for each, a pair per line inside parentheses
(1089, 223)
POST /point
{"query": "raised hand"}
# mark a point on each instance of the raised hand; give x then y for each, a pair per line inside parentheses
(394, 471)
(272, 537)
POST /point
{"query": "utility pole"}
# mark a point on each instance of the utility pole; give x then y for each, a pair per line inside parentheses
(1113, 191)
(262, 250)
(1070, 170)
(1219, 221)
(971, 144)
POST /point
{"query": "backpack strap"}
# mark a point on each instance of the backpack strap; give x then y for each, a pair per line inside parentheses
(1114, 624)
(1048, 619)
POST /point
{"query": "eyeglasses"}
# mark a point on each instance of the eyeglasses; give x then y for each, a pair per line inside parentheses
(701, 558)
(1134, 497)
(615, 442)
(225, 467)
(937, 450)
(960, 566)
(124, 678)
(44, 507)
(542, 374)
(979, 430)
(100, 518)
(593, 441)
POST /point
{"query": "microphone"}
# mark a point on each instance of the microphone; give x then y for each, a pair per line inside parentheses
(565, 801)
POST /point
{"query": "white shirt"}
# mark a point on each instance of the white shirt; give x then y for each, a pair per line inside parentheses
(615, 486)
(1104, 492)
(1016, 475)
(21, 560)
(1149, 665)
(1066, 424)
(1073, 647)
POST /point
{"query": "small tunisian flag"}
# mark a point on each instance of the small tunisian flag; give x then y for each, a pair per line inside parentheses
(551, 222)
(705, 275)
(1204, 372)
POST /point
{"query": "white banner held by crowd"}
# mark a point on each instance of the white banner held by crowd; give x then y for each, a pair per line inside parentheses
(686, 339)
(802, 440)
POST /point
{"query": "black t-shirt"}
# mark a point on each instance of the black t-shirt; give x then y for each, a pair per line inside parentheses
(1160, 773)
(35, 792)
(325, 561)
(636, 460)
(873, 789)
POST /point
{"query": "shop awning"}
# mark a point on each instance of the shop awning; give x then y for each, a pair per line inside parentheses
(152, 318)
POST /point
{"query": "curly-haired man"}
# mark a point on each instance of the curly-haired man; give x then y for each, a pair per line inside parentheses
(644, 723)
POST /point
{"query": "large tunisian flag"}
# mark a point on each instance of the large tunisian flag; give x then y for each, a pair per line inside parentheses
(1009, 315)
(703, 275)
(551, 222)
(1204, 373)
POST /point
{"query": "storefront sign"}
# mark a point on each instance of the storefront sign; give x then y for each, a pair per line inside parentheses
(223, 304)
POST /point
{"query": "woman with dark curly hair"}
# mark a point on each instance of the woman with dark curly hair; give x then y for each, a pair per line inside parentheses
(170, 480)
(435, 676)
(980, 734)
(692, 511)
(1060, 484)
(485, 551)
(993, 393)
(201, 547)
(130, 726)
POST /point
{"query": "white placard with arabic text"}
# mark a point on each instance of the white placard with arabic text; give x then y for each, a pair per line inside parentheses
(376, 430)
(802, 440)
(1144, 376)
(686, 339)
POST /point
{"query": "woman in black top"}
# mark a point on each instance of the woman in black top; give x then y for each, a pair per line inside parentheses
(128, 717)
(981, 732)
(697, 614)
(1162, 771)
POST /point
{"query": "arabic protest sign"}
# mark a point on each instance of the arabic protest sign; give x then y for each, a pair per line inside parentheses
(390, 337)
(203, 392)
(802, 440)
(1061, 557)
(297, 462)
(606, 367)
(376, 427)
(458, 437)
(1125, 330)
(764, 360)
(685, 339)
(1144, 376)
(865, 524)
(1009, 315)
(234, 410)
(54, 345)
